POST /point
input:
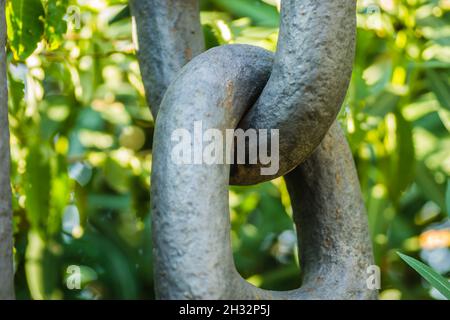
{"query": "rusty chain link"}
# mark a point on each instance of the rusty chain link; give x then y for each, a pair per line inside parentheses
(299, 92)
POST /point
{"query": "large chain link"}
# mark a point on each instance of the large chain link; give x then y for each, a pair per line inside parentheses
(298, 92)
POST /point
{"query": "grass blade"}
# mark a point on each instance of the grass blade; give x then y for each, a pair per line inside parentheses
(434, 278)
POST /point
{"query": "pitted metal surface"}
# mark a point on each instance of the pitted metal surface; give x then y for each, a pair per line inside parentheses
(193, 258)
(170, 35)
(299, 91)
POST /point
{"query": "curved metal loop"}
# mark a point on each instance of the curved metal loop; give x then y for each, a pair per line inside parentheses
(193, 256)
(304, 93)
(309, 80)
(169, 36)
(310, 75)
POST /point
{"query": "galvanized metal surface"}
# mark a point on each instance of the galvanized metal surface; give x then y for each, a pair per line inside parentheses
(169, 36)
(191, 224)
(308, 83)
(302, 90)
(309, 80)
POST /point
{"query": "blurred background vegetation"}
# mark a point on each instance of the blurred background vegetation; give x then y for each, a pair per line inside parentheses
(82, 138)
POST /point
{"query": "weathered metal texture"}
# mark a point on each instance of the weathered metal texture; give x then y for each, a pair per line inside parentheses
(6, 234)
(191, 228)
(310, 75)
(331, 219)
(309, 80)
(192, 247)
(302, 97)
(169, 35)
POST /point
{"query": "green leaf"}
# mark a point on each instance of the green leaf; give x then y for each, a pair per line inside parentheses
(25, 20)
(434, 278)
(403, 161)
(55, 24)
(122, 15)
(438, 81)
(108, 259)
(34, 255)
(116, 176)
(400, 159)
(16, 91)
(210, 38)
(428, 186)
(37, 188)
(261, 13)
(382, 104)
(60, 194)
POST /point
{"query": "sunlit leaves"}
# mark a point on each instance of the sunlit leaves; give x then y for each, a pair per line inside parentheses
(29, 21)
(34, 269)
(439, 84)
(37, 188)
(397, 118)
(428, 185)
(25, 20)
(261, 14)
(55, 22)
(60, 189)
(115, 173)
(402, 162)
(16, 90)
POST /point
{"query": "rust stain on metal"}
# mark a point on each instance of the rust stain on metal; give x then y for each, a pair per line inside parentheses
(228, 101)
(188, 53)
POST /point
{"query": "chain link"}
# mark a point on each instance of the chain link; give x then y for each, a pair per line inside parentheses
(299, 92)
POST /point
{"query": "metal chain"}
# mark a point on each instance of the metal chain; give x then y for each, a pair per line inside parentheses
(299, 92)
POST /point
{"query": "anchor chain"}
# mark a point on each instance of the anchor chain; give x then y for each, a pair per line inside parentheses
(299, 92)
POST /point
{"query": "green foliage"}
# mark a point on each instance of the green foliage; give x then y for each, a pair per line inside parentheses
(55, 22)
(434, 278)
(82, 135)
(439, 83)
(37, 188)
(261, 14)
(25, 19)
(122, 15)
